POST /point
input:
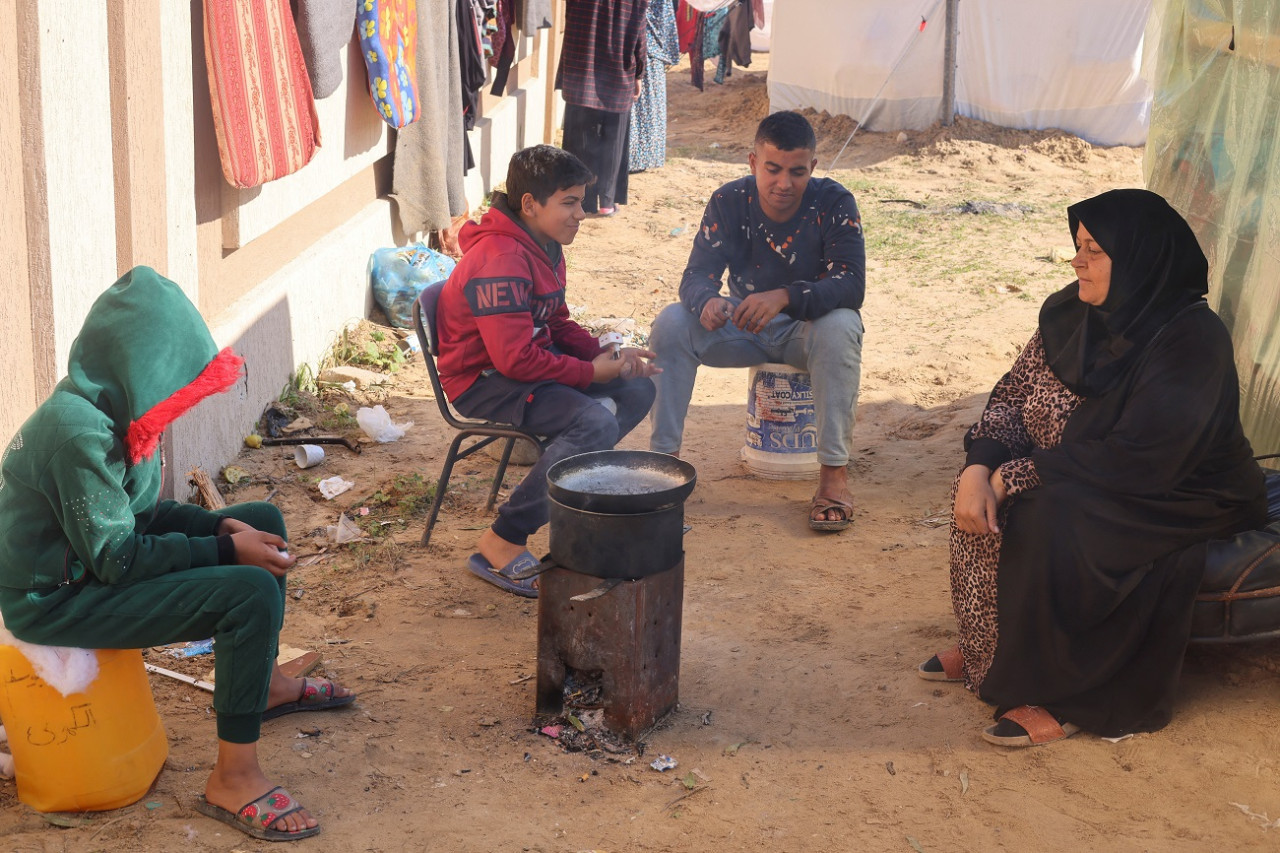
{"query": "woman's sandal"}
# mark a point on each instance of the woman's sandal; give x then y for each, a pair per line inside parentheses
(317, 695)
(944, 666)
(1028, 725)
(255, 818)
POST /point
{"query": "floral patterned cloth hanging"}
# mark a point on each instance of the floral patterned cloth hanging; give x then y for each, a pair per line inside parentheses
(388, 32)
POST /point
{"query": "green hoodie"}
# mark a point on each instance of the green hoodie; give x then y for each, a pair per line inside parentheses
(80, 482)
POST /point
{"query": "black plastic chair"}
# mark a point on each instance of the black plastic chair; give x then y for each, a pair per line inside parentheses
(486, 432)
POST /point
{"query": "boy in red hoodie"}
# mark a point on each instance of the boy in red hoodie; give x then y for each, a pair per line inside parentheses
(510, 353)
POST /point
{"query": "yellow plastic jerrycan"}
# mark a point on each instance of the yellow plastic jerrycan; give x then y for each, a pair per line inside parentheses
(91, 751)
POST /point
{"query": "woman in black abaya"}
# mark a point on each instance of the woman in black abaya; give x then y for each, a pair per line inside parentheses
(1105, 459)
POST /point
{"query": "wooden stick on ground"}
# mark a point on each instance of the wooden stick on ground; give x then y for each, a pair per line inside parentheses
(210, 497)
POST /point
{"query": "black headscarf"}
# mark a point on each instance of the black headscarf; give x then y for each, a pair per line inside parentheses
(1157, 270)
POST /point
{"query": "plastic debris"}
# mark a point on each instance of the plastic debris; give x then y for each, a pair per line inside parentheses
(297, 425)
(191, 649)
(663, 763)
(345, 531)
(550, 731)
(333, 487)
(377, 424)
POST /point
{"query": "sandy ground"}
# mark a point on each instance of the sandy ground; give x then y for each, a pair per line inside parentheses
(802, 725)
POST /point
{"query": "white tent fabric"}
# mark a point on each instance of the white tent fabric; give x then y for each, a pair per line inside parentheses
(1019, 63)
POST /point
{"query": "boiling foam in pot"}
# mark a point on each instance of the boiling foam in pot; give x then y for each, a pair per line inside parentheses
(618, 480)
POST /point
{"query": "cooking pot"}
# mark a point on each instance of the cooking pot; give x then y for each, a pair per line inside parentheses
(620, 481)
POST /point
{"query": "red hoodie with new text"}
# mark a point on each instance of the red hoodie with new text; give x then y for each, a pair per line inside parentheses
(503, 307)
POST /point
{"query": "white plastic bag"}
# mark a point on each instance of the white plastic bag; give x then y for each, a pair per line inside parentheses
(377, 424)
(333, 487)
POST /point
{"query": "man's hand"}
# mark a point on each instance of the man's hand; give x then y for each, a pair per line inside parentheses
(755, 312)
(635, 91)
(631, 363)
(264, 550)
(716, 311)
(977, 500)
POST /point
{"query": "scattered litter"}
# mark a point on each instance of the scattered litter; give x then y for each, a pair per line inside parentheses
(308, 733)
(676, 232)
(732, 749)
(1266, 823)
(576, 723)
(65, 820)
(689, 781)
(663, 763)
(234, 474)
(915, 845)
(706, 718)
(152, 806)
(377, 424)
(351, 377)
(253, 440)
(1118, 739)
(364, 510)
(275, 419)
(334, 486)
(308, 455)
(410, 343)
(297, 425)
(344, 531)
(1058, 255)
(194, 682)
(964, 782)
(888, 765)
(550, 731)
(191, 649)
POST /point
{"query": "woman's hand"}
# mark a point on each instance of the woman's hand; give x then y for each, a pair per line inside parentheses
(977, 500)
(264, 550)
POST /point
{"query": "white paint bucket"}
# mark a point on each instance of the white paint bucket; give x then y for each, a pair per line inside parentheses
(782, 432)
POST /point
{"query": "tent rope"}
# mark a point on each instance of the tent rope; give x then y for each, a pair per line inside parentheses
(875, 100)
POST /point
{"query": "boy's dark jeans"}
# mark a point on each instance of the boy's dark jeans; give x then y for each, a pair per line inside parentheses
(578, 423)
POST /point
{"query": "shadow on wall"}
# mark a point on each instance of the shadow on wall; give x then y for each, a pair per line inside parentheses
(212, 433)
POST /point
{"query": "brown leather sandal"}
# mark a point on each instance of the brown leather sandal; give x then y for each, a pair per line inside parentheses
(1039, 726)
(944, 666)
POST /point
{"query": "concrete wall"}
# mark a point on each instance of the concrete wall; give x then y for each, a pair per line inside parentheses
(108, 159)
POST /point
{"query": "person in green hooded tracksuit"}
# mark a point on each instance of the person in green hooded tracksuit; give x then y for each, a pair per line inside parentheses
(91, 557)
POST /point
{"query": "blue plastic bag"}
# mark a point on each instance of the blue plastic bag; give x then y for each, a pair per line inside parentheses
(399, 275)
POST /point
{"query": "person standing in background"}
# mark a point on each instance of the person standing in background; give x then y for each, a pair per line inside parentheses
(602, 64)
(648, 148)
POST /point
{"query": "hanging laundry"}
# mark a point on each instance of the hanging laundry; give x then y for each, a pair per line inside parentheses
(263, 111)
(388, 32)
(324, 28)
(473, 72)
(648, 146)
(503, 39)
